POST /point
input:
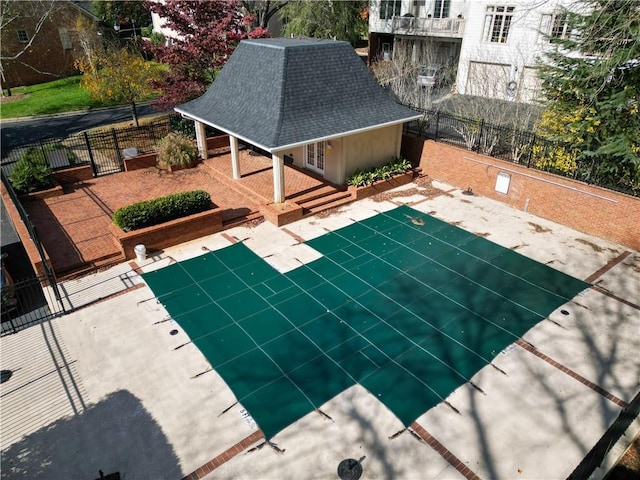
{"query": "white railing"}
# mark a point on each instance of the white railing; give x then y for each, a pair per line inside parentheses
(446, 27)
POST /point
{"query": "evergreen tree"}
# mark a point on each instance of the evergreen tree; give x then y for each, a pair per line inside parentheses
(339, 20)
(591, 84)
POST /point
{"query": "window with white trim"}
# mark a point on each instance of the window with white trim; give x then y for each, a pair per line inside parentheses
(441, 8)
(65, 40)
(23, 36)
(497, 22)
(390, 9)
(555, 25)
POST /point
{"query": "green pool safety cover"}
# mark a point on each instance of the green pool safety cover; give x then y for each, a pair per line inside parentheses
(402, 303)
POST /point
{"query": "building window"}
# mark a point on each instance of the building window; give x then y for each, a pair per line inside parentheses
(23, 36)
(389, 9)
(555, 26)
(419, 3)
(496, 24)
(441, 9)
(64, 38)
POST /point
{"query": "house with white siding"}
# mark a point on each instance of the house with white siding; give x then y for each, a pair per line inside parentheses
(493, 44)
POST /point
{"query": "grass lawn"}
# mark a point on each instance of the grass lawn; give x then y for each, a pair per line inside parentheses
(63, 95)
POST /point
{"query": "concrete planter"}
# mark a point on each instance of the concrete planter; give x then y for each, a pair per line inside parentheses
(382, 185)
(168, 234)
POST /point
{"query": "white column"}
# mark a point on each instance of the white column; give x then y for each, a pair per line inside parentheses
(278, 178)
(201, 139)
(398, 140)
(235, 161)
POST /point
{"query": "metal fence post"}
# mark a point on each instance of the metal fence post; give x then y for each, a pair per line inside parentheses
(118, 152)
(93, 163)
(531, 147)
(437, 125)
(477, 149)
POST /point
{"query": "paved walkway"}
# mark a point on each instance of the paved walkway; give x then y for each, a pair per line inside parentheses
(74, 227)
(132, 399)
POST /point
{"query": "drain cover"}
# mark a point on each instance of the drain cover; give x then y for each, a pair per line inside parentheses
(173, 332)
(349, 469)
(564, 312)
(5, 375)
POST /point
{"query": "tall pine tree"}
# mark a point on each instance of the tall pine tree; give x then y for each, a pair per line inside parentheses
(591, 84)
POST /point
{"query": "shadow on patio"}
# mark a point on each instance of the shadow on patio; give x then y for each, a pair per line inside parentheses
(74, 228)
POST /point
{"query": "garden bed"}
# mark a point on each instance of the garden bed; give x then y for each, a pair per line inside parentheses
(168, 234)
(42, 194)
(383, 185)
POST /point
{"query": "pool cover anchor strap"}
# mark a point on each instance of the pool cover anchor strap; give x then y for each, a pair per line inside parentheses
(324, 415)
(397, 434)
(227, 409)
(202, 373)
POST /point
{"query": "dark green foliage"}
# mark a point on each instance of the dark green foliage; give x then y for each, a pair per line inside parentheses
(397, 166)
(593, 95)
(32, 172)
(326, 19)
(160, 210)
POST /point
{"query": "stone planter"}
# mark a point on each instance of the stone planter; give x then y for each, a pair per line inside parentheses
(168, 234)
(382, 185)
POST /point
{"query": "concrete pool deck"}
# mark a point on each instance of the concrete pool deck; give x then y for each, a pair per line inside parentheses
(103, 388)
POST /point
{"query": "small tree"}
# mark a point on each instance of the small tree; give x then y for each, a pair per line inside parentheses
(591, 83)
(327, 19)
(206, 33)
(118, 76)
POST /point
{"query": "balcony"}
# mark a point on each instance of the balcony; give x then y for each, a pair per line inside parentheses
(432, 27)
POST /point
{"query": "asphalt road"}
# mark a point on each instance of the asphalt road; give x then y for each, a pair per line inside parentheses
(18, 132)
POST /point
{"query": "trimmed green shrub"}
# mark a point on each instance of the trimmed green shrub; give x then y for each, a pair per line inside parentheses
(177, 149)
(396, 166)
(160, 210)
(32, 172)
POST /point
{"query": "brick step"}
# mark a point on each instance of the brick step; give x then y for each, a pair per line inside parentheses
(313, 194)
(326, 202)
(92, 266)
(234, 222)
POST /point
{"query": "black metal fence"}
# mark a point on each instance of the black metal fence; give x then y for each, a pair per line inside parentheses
(104, 150)
(521, 147)
(35, 299)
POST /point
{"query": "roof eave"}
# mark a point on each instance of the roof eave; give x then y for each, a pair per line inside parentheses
(344, 134)
(280, 148)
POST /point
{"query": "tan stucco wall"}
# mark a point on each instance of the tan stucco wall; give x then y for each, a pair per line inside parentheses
(360, 151)
(370, 149)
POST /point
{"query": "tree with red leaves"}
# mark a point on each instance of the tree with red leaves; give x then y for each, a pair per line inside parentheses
(205, 35)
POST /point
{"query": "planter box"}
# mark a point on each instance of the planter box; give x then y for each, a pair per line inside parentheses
(140, 162)
(42, 194)
(168, 234)
(221, 141)
(73, 174)
(281, 213)
(382, 185)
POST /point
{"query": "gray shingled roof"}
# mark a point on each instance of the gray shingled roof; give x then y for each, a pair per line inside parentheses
(281, 92)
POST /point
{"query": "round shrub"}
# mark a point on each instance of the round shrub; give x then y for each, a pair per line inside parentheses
(177, 149)
(32, 172)
(160, 210)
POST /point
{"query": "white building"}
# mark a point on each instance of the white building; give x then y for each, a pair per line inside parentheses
(493, 45)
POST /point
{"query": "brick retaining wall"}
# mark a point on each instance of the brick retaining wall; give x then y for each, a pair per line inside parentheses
(586, 208)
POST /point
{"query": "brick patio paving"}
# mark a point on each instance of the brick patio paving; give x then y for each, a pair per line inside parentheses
(74, 227)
